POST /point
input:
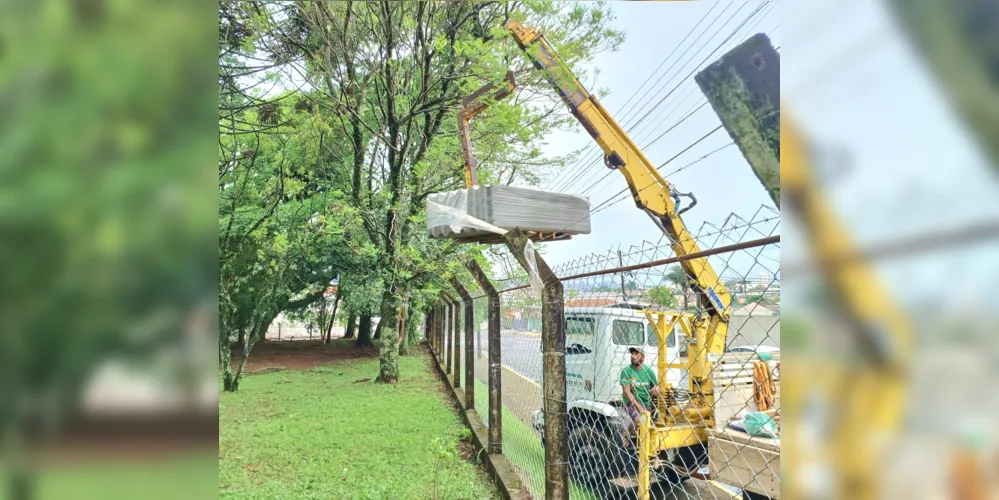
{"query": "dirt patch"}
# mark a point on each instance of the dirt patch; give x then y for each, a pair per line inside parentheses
(443, 384)
(301, 354)
(252, 467)
(467, 451)
(154, 437)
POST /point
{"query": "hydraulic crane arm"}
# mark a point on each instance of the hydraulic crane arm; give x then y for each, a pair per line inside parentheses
(470, 107)
(651, 192)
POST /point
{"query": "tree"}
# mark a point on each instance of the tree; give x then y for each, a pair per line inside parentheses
(376, 134)
(364, 332)
(662, 296)
(388, 76)
(332, 316)
(351, 327)
(282, 238)
(102, 233)
(678, 277)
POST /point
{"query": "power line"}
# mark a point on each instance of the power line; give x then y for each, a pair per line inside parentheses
(686, 80)
(648, 144)
(698, 141)
(590, 161)
(624, 120)
(583, 163)
(610, 171)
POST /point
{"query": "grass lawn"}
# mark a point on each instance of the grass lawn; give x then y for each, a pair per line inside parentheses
(319, 434)
(523, 448)
(189, 476)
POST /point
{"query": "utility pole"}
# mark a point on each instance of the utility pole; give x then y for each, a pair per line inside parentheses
(620, 262)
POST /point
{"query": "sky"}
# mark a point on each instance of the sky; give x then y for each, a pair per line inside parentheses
(723, 182)
(895, 160)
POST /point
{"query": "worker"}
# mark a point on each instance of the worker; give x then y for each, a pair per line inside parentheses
(639, 384)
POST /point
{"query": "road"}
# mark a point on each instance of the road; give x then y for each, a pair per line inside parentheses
(521, 352)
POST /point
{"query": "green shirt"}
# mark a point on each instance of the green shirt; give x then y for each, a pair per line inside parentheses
(641, 381)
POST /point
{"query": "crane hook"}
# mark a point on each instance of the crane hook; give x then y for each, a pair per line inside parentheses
(676, 199)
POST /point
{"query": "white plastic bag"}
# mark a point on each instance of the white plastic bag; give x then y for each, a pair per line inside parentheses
(453, 216)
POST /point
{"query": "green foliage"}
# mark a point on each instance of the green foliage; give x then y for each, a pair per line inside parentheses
(319, 434)
(105, 250)
(373, 136)
(678, 277)
(662, 296)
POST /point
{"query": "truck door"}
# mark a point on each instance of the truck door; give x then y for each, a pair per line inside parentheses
(579, 356)
(626, 330)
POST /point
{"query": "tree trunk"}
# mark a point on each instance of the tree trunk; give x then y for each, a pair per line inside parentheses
(378, 331)
(351, 326)
(230, 380)
(329, 327)
(413, 331)
(225, 357)
(241, 340)
(364, 332)
(388, 357)
(406, 334)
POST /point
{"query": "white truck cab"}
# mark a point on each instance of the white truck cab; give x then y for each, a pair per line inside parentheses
(597, 343)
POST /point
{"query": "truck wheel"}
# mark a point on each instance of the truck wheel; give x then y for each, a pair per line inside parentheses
(596, 454)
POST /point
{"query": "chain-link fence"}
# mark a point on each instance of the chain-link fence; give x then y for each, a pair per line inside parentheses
(666, 369)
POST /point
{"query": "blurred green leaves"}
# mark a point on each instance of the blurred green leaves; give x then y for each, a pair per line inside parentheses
(106, 198)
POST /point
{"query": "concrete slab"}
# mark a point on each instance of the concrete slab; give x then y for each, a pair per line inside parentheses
(506, 207)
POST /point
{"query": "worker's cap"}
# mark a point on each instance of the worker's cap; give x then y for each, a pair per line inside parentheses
(634, 350)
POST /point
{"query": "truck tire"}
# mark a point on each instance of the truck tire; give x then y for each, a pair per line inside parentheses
(596, 454)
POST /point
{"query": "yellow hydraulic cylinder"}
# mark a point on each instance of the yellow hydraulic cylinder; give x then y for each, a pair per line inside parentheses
(644, 452)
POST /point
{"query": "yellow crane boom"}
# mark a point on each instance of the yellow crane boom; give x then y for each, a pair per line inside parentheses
(651, 192)
(656, 197)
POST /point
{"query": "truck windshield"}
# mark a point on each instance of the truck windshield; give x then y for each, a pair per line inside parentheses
(628, 332)
(579, 327)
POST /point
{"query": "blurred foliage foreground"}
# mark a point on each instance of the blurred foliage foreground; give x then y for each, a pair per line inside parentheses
(106, 241)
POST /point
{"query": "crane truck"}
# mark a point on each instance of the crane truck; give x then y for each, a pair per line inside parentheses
(671, 446)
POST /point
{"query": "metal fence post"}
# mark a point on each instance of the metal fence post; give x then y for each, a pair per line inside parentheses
(434, 314)
(450, 346)
(456, 344)
(432, 330)
(428, 316)
(445, 327)
(426, 325)
(469, 357)
(438, 331)
(553, 369)
(495, 385)
(430, 327)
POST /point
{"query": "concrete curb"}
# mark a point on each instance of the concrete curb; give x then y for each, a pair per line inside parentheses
(522, 333)
(499, 467)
